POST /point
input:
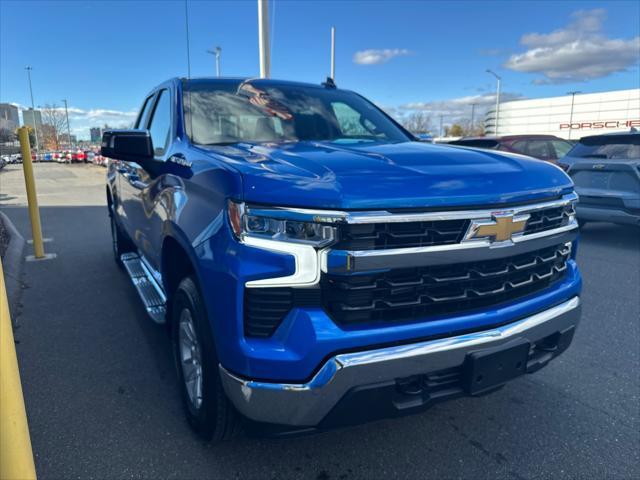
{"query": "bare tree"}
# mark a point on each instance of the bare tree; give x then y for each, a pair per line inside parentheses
(6, 135)
(53, 117)
(417, 122)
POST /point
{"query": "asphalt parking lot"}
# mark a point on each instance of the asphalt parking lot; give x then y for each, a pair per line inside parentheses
(103, 402)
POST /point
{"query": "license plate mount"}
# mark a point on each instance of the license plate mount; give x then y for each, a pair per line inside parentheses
(489, 369)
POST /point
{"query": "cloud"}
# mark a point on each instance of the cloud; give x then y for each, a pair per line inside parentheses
(460, 106)
(81, 120)
(576, 53)
(375, 57)
(453, 110)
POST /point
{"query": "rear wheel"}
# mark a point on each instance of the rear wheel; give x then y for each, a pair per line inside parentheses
(207, 408)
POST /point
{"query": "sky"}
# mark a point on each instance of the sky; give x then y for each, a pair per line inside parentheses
(406, 56)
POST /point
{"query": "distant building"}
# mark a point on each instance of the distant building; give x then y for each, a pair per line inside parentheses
(9, 119)
(63, 139)
(32, 118)
(567, 117)
(96, 134)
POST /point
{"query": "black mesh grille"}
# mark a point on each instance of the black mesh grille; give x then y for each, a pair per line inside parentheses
(406, 294)
(375, 236)
(548, 219)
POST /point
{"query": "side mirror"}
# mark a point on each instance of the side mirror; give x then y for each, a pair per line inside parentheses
(127, 145)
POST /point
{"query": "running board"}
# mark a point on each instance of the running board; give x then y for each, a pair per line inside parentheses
(150, 292)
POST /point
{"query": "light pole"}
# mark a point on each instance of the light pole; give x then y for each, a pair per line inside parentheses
(263, 38)
(573, 96)
(441, 126)
(499, 79)
(333, 53)
(473, 117)
(66, 112)
(33, 108)
(217, 52)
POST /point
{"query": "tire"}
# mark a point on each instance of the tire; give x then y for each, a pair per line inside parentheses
(119, 241)
(207, 408)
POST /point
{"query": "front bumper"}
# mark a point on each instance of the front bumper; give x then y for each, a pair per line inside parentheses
(309, 404)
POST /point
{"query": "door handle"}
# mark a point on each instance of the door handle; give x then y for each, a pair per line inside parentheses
(138, 184)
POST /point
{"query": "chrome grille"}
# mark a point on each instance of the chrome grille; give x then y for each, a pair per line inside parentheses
(422, 292)
(381, 236)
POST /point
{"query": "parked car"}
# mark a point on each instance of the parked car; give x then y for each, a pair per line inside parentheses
(606, 172)
(315, 266)
(424, 137)
(542, 147)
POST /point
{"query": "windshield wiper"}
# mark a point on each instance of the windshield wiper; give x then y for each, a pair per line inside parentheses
(220, 144)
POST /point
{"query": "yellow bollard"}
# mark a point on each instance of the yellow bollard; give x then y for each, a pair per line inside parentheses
(32, 199)
(16, 456)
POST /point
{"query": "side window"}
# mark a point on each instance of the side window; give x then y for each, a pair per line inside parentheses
(520, 146)
(561, 148)
(349, 121)
(144, 113)
(160, 125)
(540, 149)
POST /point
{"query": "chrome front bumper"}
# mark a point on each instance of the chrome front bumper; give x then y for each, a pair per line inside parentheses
(307, 404)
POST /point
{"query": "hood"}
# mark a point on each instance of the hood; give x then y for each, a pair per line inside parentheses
(384, 176)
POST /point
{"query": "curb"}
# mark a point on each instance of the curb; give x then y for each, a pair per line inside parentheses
(12, 265)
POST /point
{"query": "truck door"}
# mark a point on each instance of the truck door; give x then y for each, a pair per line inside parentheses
(144, 185)
(125, 170)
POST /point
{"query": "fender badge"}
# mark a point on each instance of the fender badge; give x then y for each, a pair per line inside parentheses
(180, 161)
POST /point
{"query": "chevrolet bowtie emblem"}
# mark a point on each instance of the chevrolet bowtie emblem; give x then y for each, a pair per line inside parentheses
(503, 226)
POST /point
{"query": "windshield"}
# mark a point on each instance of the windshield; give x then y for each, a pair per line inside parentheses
(609, 147)
(224, 113)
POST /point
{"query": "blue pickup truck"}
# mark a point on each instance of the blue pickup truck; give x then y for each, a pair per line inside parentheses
(317, 266)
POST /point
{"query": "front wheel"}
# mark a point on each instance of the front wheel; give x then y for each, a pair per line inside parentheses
(207, 408)
(119, 242)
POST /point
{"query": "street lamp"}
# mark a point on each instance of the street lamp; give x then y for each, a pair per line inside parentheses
(263, 39)
(499, 79)
(333, 53)
(573, 96)
(33, 108)
(217, 51)
(66, 112)
(473, 117)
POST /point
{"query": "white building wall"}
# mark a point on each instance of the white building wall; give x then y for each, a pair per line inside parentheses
(593, 113)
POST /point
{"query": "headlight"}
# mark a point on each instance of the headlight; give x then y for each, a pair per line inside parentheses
(309, 233)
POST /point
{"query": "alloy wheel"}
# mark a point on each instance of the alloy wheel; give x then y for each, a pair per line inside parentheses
(190, 358)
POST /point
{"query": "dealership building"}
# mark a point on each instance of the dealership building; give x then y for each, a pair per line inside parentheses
(569, 116)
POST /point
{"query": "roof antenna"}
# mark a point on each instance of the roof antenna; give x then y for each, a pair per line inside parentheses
(329, 83)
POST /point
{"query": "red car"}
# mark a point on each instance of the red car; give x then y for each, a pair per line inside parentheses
(542, 147)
